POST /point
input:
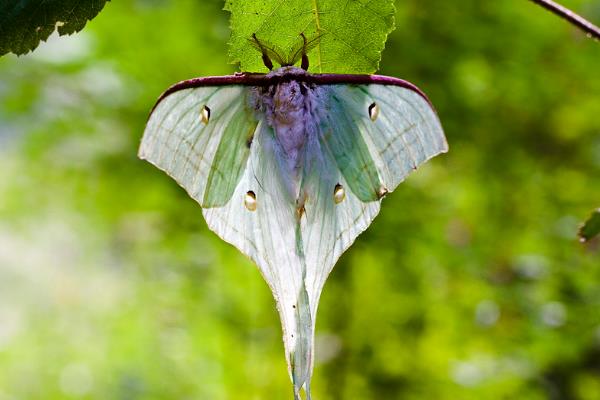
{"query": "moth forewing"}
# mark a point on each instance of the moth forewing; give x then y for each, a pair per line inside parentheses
(406, 132)
(198, 136)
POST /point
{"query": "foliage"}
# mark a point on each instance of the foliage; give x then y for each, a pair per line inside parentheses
(24, 23)
(351, 34)
(591, 228)
(469, 285)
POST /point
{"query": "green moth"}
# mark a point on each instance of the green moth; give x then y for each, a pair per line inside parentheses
(290, 167)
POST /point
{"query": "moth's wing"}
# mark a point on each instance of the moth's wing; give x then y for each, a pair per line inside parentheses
(330, 225)
(367, 157)
(199, 136)
(269, 235)
(392, 128)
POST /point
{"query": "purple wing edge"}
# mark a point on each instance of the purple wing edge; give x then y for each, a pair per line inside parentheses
(250, 79)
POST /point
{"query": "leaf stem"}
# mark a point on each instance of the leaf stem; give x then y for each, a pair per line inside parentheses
(590, 29)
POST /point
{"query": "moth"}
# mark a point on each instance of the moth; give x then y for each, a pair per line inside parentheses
(290, 167)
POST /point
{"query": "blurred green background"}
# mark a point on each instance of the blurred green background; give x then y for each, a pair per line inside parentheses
(469, 285)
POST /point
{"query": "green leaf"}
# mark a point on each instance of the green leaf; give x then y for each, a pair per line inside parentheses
(591, 228)
(23, 23)
(353, 31)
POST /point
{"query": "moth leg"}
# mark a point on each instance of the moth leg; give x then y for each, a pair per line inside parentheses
(304, 64)
(266, 60)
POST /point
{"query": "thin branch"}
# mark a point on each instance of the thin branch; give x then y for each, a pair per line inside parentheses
(590, 29)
